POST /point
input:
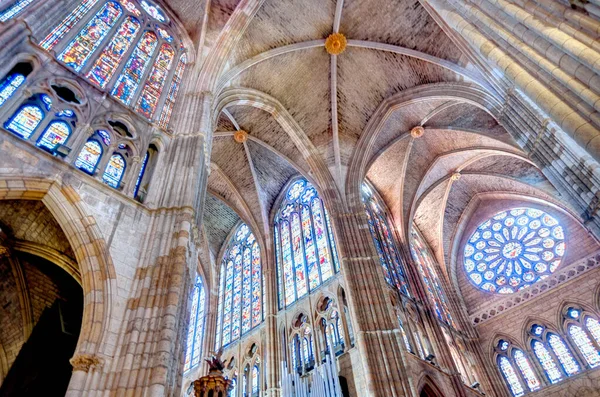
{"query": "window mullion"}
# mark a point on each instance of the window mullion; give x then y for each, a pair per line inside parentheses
(315, 241)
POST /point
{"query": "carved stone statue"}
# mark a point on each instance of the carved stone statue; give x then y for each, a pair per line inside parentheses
(215, 363)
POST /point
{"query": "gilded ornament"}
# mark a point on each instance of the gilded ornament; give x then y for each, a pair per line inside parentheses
(417, 131)
(335, 43)
(240, 136)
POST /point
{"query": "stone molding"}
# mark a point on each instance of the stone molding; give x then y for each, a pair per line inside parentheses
(560, 277)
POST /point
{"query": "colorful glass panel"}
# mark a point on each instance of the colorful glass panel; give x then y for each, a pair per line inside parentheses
(67, 24)
(88, 158)
(594, 327)
(196, 326)
(511, 377)
(114, 171)
(14, 9)
(306, 243)
(163, 34)
(240, 291)
(172, 94)
(138, 62)
(79, 50)
(546, 361)
(25, 121)
(255, 380)
(523, 364)
(108, 61)
(382, 235)
(583, 342)
(154, 11)
(55, 134)
(564, 355)
(105, 136)
(279, 274)
(140, 177)
(513, 250)
(130, 6)
(9, 85)
(257, 300)
(153, 88)
(422, 255)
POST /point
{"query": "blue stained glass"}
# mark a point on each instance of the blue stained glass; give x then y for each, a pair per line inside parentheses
(305, 242)
(196, 326)
(547, 362)
(65, 113)
(583, 342)
(14, 9)
(88, 158)
(105, 136)
(255, 380)
(67, 24)
(383, 238)
(47, 101)
(114, 171)
(25, 121)
(240, 291)
(564, 355)
(141, 175)
(511, 377)
(81, 48)
(513, 250)
(9, 85)
(55, 134)
(172, 94)
(154, 11)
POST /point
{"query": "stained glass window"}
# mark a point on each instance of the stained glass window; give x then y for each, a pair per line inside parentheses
(196, 326)
(79, 50)
(594, 327)
(55, 134)
(153, 10)
(14, 9)
(114, 171)
(583, 342)
(172, 94)
(148, 100)
(513, 250)
(523, 364)
(424, 259)
(546, 361)
(141, 175)
(105, 136)
(67, 24)
(564, 355)
(25, 121)
(255, 379)
(240, 291)
(131, 76)
(9, 85)
(88, 158)
(108, 61)
(511, 377)
(405, 336)
(384, 240)
(130, 6)
(305, 250)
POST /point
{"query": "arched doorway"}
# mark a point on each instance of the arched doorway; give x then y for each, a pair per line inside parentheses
(41, 301)
(428, 391)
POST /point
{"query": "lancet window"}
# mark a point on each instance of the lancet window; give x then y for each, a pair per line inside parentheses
(240, 307)
(384, 240)
(553, 354)
(195, 334)
(14, 9)
(583, 330)
(126, 48)
(516, 369)
(427, 269)
(305, 248)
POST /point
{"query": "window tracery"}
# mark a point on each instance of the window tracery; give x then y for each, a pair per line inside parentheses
(582, 329)
(304, 247)
(552, 353)
(107, 31)
(113, 174)
(14, 9)
(240, 291)
(516, 369)
(383, 238)
(195, 334)
(514, 249)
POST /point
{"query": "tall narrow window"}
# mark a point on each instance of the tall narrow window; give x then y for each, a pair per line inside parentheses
(384, 241)
(141, 175)
(88, 158)
(114, 171)
(256, 378)
(153, 88)
(67, 24)
(549, 349)
(165, 116)
(511, 377)
(14, 9)
(55, 134)
(25, 121)
(12, 82)
(424, 259)
(512, 362)
(583, 332)
(196, 326)
(305, 250)
(138, 62)
(112, 55)
(240, 292)
(79, 50)
(523, 364)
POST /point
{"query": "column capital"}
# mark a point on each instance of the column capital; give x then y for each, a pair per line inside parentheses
(85, 362)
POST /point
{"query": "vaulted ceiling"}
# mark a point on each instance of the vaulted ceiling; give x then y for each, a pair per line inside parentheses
(353, 111)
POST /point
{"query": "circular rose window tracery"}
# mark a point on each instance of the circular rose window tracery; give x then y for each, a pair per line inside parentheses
(513, 250)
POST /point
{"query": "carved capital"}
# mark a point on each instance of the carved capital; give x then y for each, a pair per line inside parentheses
(83, 362)
(335, 43)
